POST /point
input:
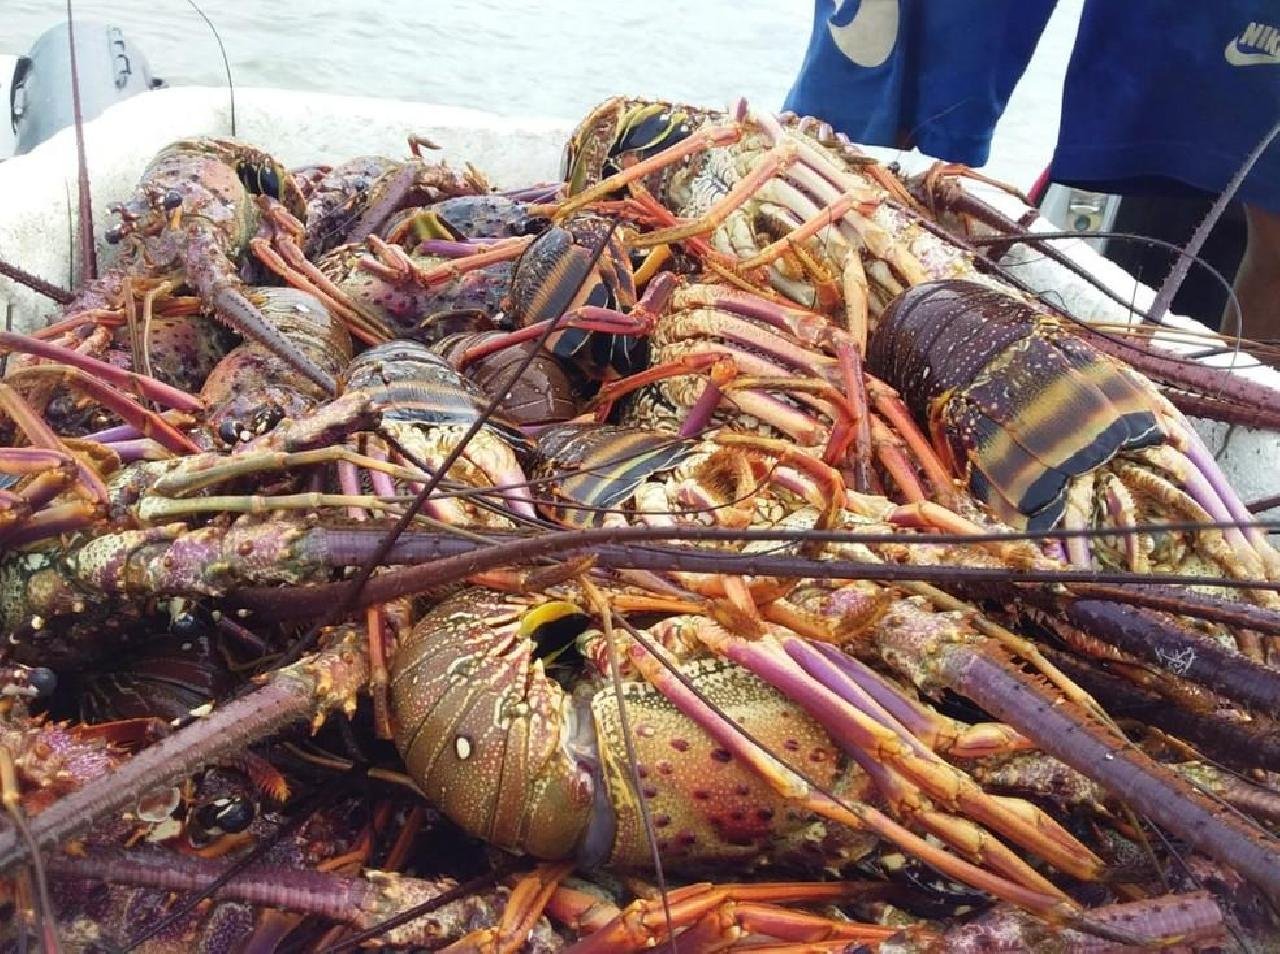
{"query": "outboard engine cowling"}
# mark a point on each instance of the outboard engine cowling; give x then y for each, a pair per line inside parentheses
(109, 67)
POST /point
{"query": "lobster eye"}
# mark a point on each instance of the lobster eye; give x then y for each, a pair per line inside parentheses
(114, 234)
(43, 681)
(260, 180)
(229, 432)
(172, 199)
(269, 182)
(186, 625)
(232, 814)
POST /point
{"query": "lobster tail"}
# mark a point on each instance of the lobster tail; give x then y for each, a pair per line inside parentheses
(1025, 408)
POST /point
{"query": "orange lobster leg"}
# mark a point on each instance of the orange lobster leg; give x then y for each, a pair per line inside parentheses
(503, 251)
(769, 165)
(890, 406)
(285, 258)
(686, 364)
(586, 318)
(41, 436)
(524, 907)
(721, 914)
(1029, 890)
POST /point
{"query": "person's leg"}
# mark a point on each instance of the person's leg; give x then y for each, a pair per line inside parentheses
(917, 72)
(1258, 279)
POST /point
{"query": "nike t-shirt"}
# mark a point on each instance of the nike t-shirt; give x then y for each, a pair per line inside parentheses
(1160, 95)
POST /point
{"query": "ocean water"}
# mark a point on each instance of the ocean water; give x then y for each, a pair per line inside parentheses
(549, 58)
(553, 57)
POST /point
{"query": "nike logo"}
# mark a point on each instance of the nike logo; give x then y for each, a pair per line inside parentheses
(1264, 40)
(869, 37)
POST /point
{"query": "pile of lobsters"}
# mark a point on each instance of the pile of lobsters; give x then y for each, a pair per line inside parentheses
(715, 549)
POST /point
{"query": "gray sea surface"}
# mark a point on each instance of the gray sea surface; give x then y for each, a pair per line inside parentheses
(553, 57)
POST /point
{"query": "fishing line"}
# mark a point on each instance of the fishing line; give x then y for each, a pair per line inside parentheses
(88, 254)
(1217, 276)
(226, 63)
(601, 605)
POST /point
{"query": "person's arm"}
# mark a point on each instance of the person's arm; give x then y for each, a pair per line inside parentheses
(1258, 279)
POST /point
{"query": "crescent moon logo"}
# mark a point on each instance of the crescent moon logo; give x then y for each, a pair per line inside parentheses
(868, 38)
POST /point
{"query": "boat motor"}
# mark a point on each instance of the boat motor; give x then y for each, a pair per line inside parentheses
(110, 69)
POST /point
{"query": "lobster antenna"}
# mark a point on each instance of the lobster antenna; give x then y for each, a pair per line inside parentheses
(629, 743)
(88, 255)
(37, 284)
(561, 303)
(1178, 274)
(1190, 256)
(226, 63)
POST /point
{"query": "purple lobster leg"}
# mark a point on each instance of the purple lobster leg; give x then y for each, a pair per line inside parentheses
(936, 652)
(1202, 459)
(878, 742)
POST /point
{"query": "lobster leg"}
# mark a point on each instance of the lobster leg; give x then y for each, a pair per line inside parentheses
(821, 177)
(503, 251)
(810, 328)
(585, 318)
(941, 734)
(889, 405)
(285, 260)
(699, 140)
(1206, 482)
(720, 914)
(141, 385)
(149, 423)
(524, 907)
(856, 815)
(39, 434)
(934, 652)
(874, 738)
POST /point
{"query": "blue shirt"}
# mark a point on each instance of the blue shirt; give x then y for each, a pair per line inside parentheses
(1158, 92)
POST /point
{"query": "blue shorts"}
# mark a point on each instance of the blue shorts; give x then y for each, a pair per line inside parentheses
(1160, 96)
